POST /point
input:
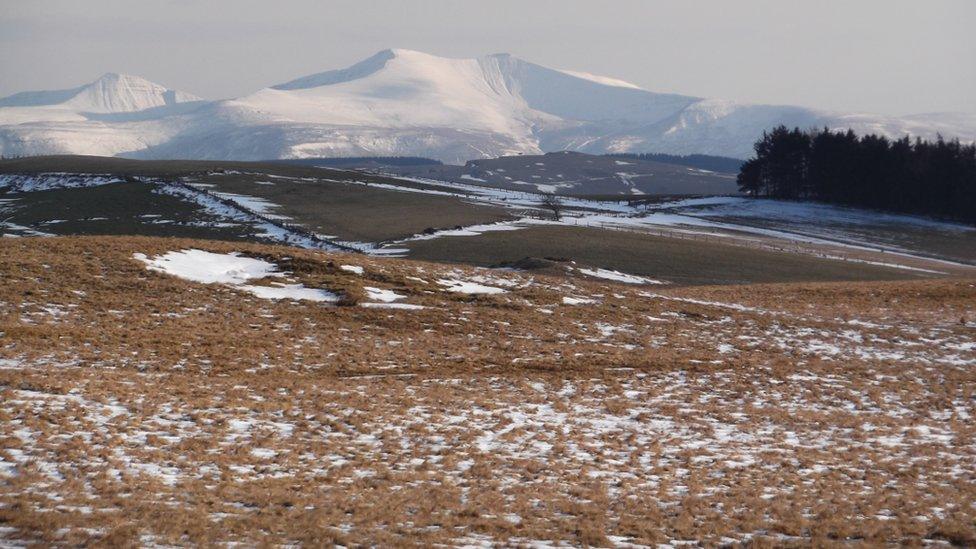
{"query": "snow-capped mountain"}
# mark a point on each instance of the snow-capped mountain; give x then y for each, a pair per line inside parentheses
(112, 93)
(401, 102)
(115, 115)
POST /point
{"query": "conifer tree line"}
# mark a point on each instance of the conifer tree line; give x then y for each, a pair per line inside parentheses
(935, 178)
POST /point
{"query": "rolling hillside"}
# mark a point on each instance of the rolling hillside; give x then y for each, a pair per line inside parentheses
(170, 392)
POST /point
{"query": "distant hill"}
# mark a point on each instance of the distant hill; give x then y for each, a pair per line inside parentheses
(578, 174)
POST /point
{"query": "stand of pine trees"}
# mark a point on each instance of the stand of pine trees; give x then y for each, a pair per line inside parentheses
(918, 177)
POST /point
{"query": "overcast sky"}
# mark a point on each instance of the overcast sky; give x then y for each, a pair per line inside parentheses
(887, 56)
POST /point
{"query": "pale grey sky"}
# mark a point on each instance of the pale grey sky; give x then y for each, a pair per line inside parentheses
(886, 56)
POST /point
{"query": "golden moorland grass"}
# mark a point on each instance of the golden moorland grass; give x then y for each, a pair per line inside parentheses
(140, 408)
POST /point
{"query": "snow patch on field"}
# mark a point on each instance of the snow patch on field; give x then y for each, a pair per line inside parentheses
(405, 306)
(210, 268)
(468, 287)
(382, 295)
(291, 291)
(618, 276)
(233, 270)
(570, 300)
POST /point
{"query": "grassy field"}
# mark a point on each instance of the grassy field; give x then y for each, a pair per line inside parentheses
(357, 212)
(138, 408)
(322, 200)
(578, 174)
(150, 168)
(354, 207)
(682, 261)
(117, 208)
(953, 245)
(180, 168)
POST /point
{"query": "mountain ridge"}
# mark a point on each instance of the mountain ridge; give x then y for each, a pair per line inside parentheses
(401, 102)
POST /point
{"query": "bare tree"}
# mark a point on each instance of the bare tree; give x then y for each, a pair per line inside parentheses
(552, 203)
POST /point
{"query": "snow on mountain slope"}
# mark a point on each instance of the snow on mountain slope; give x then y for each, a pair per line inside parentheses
(111, 93)
(402, 102)
(576, 99)
(605, 80)
(115, 114)
(123, 93)
(412, 89)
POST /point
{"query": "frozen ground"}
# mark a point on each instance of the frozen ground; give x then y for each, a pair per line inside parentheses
(139, 406)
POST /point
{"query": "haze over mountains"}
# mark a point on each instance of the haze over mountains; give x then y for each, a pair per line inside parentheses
(401, 102)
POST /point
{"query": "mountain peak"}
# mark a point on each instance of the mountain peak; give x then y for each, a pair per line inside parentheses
(400, 52)
(117, 92)
(114, 77)
(111, 92)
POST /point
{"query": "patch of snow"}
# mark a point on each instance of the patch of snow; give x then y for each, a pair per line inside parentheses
(291, 291)
(382, 295)
(568, 300)
(605, 80)
(468, 287)
(619, 276)
(234, 270)
(209, 267)
(407, 306)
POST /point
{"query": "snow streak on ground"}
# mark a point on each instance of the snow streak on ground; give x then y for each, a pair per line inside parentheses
(265, 227)
(618, 276)
(253, 203)
(16, 183)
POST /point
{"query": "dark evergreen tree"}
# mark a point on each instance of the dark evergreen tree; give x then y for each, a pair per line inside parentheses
(932, 178)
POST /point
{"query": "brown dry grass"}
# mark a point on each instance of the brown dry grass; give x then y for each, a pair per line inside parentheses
(139, 408)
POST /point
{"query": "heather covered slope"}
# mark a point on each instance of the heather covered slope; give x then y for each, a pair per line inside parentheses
(138, 407)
